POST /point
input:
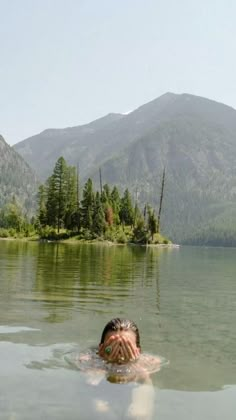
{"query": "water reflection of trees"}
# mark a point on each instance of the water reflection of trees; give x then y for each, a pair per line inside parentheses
(17, 268)
(60, 278)
(93, 277)
(54, 286)
(17, 263)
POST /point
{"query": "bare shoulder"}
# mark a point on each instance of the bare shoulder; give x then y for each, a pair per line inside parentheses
(86, 362)
(149, 363)
(84, 357)
(149, 358)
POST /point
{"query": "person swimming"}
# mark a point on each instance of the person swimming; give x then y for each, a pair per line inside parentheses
(118, 355)
(119, 359)
(120, 341)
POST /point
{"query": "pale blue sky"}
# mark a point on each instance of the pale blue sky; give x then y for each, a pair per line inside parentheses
(67, 62)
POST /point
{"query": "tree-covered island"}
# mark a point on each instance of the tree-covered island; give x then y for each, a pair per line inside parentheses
(66, 210)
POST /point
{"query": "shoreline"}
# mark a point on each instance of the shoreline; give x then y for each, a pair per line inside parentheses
(91, 242)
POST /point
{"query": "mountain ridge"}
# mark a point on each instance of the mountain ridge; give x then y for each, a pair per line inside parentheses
(193, 137)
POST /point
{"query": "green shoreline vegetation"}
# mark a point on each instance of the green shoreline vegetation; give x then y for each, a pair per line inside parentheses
(99, 216)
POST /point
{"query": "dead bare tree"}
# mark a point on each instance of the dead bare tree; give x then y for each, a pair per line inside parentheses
(161, 199)
(100, 178)
(78, 197)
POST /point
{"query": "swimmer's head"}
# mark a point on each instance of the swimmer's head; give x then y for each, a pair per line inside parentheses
(118, 325)
(120, 341)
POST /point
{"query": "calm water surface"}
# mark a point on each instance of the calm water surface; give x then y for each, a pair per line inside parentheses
(57, 297)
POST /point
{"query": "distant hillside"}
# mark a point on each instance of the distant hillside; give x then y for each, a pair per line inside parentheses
(16, 178)
(193, 137)
(78, 145)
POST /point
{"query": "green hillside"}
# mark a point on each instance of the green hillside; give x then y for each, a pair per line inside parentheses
(200, 176)
(17, 180)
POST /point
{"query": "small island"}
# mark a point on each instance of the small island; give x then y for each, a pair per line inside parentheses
(98, 216)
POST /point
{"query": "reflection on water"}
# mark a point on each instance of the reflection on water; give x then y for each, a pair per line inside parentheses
(84, 278)
(55, 297)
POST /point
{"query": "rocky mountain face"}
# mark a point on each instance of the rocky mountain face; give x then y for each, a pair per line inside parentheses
(17, 179)
(194, 138)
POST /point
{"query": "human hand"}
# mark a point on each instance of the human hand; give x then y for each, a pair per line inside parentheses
(110, 349)
(119, 348)
(129, 350)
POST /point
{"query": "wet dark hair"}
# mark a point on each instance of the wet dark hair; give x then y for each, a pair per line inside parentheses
(118, 324)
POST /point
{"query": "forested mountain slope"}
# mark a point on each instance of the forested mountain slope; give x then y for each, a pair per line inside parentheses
(17, 179)
(193, 137)
(200, 182)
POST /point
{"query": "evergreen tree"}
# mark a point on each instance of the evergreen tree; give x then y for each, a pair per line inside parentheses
(106, 201)
(42, 210)
(71, 198)
(59, 182)
(11, 216)
(59, 205)
(87, 206)
(140, 233)
(137, 214)
(152, 222)
(116, 204)
(126, 209)
(51, 204)
(99, 224)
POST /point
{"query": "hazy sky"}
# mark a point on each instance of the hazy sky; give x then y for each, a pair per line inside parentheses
(67, 62)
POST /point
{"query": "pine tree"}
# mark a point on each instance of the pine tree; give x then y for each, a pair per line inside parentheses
(99, 224)
(152, 222)
(71, 198)
(87, 206)
(140, 233)
(42, 210)
(106, 203)
(137, 213)
(126, 210)
(57, 194)
(116, 204)
(11, 216)
(51, 203)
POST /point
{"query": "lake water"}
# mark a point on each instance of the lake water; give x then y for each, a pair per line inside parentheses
(56, 298)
